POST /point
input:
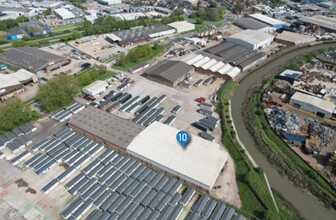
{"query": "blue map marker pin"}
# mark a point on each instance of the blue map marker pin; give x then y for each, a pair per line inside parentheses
(183, 138)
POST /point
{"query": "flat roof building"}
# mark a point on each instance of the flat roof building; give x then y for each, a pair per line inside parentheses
(182, 26)
(291, 38)
(289, 75)
(157, 146)
(251, 39)
(169, 72)
(324, 22)
(250, 23)
(318, 106)
(95, 88)
(14, 82)
(32, 59)
(64, 13)
(109, 2)
(268, 20)
(105, 128)
(139, 34)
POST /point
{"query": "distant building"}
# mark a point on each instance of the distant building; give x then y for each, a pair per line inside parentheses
(33, 59)
(318, 106)
(13, 83)
(47, 4)
(251, 39)
(30, 28)
(169, 72)
(109, 2)
(323, 22)
(291, 38)
(269, 21)
(95, 88)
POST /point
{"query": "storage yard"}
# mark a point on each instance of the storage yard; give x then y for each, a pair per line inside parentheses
(88, 180)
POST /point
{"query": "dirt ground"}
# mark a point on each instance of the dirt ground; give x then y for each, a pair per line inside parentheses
(229, 190)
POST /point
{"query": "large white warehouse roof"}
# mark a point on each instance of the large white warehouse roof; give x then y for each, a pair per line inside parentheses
(64, 13)
(252, 36)
(199, 163)
(182, 26)
(268, 20)
(95, 88)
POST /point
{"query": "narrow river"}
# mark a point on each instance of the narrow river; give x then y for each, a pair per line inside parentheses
(308, 206)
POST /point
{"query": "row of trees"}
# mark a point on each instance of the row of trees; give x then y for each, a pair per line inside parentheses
(7, 24)
(104, 25)
(214, 14)
(14, 113)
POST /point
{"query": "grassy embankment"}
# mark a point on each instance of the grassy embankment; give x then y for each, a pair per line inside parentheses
(251, 184)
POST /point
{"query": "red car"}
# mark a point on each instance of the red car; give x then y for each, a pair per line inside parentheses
(89, 98)
(200, 99)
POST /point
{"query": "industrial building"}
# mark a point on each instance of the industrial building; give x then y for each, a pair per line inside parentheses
(13, 83)
(277, 24)
(138, 67)
(31, 28)
(105, 128)
(182, 26)
(251, 39)
(157, 146)
(136, 35)
(289, 75)
(33, 59)
(321, 21)
(95, 88)
(291, 38)
(169, 72)
(47, 4)
(109, 2)
(250, 23)
(64, 14)
(318, 106)
(210, 66)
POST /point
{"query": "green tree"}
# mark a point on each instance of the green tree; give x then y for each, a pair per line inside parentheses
(14, 113)
(199, 21)
(122, 60)
(213, 5)
(76, 34)
(57, 92)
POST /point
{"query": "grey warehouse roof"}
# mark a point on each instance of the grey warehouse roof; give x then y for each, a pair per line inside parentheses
(250, 23)
(30, 58)
(168, 70)
(106, 126)
(228, 51)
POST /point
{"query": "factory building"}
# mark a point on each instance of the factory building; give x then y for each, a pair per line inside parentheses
(321, 21)
(289, 75)
(157, 146)
(47, 4)
(318, 106)
(109, 2)
(250, 23)
(13, 83)
(33, 59)
(291, 38)
(95, 88)
(64, 14)
(169, 72)
(277, 24)
(105, 128)
(137, 35)
(210, 66)
(252, 39)
(182, 26)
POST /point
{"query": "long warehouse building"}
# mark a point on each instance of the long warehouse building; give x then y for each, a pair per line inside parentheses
(157, 146)
(105, 128)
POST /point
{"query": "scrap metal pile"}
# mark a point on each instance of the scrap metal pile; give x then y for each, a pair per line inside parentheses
(325, 134)
(280, 119)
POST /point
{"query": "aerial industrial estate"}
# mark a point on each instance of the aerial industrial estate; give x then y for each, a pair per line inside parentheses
(162, 109)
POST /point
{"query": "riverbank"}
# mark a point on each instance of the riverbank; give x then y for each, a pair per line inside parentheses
(277, 151)
(253, 190)
(308, 206)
